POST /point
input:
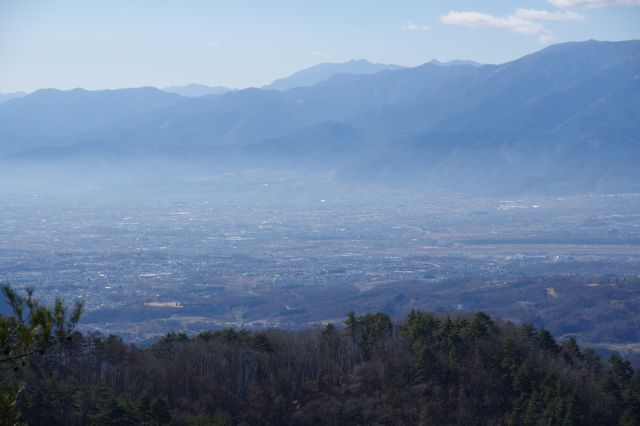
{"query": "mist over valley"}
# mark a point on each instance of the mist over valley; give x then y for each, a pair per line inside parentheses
(354, 242)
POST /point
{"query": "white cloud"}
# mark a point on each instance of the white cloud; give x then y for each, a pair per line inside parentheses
(511, 22)
(523, 21)
(545, 15)
(410, 26)
(576, 4)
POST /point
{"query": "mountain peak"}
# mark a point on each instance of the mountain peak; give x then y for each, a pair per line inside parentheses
(357, 61)
(323, 71)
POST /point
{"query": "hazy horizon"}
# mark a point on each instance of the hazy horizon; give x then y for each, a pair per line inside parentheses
(102, 45)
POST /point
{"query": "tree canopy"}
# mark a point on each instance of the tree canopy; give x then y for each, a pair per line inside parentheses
(429, 369)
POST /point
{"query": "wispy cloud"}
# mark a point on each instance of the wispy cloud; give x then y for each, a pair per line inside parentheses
(512, 22)
(411, 26)
(577, 4)
(545, 15)
(323, 54)
(523, 21)
(213, 44)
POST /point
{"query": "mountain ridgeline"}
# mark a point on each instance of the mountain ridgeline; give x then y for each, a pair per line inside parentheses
(8, 96)
(564, 119)
(321, 72)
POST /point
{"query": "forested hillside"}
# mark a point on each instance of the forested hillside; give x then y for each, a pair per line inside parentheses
(431, 369)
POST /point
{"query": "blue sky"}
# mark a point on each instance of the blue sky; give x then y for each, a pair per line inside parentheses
(117, 43)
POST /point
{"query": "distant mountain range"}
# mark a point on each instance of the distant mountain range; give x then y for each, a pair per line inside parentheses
(304, 78)
(566, 118)
(52, 117)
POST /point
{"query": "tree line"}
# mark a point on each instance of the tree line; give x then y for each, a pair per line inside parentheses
(431, 369)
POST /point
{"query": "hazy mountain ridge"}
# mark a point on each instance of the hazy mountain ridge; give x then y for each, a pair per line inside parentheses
(4, 97)
(321, 72)
(564, 118)
(52, 117)
(526, 121)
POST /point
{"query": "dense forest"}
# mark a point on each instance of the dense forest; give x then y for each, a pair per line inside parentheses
(433, 369)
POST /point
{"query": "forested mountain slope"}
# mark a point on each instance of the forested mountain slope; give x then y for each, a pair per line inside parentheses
(431, 369)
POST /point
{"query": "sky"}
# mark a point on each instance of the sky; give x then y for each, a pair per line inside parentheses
(100, 44)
